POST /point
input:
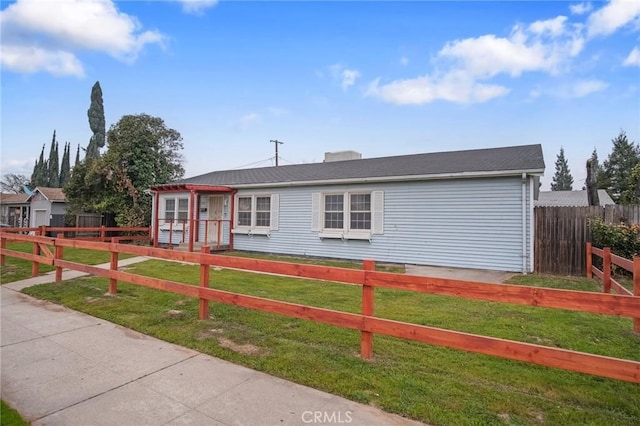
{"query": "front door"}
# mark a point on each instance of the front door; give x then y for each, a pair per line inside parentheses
(215, 216)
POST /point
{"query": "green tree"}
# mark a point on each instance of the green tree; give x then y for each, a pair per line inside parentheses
(39, 175)
(96, 122)
(562, 180)
(65, 166)
(142, 152)
(617, 175)
(53, 164)
(77, 156)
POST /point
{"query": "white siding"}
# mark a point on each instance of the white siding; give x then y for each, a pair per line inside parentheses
(472, 223)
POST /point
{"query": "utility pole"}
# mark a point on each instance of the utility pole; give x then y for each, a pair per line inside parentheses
(276, 142)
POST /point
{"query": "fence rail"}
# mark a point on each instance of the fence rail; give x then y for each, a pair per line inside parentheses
(366, 322)
(93, 233)
(562, 232)
(608, 282)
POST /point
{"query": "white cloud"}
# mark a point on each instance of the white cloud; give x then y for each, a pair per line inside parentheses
(197, 7)
(615, 15)
(248, 120)
(346, 77)
(463, 66)
(587, 87)
(57, 30)
(454, 87)
(31, 59)
(633, 60)
(580, 8)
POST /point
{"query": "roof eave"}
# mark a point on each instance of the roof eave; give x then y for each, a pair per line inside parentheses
(405, 178)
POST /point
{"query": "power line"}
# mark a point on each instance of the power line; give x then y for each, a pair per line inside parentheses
(252, 164)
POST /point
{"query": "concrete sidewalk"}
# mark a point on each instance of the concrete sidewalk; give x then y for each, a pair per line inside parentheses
(62, 367)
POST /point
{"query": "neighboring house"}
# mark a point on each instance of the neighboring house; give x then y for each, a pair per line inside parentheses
(471, 209)
(15, 210)
(48, 207)
(570, 199)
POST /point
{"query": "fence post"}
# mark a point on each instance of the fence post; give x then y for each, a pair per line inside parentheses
(203, 311)
(103, 234)
(606, 268)
(43, 230)
(366, 337)
(59, 253)
(113, 283)
(636, 289)
(3, 245)
(589, 261)
(35, 266)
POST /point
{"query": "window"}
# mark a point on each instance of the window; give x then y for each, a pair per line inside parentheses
(256, 214)
(348, 215)
(173, 214)
(244, 211)
(360, 211)
(263, 211)
(334, 211)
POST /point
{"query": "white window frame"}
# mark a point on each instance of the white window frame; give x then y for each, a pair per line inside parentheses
(376, 210)
(253, 228)
(176, 211)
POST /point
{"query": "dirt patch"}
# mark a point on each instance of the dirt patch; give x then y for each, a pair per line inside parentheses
(209, 334)
(133, 334)
(173, 313)
(90, 299)
(245, 349)
(182, 302)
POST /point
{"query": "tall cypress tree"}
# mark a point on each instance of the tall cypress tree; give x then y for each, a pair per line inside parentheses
(39, 175)
(65, 166)
(95, 113)
(77, 156)
(562, 180)
(53, 169)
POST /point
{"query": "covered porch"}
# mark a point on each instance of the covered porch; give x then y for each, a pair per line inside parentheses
(188, 217)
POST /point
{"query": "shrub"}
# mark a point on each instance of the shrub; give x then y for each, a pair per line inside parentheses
(623, 239)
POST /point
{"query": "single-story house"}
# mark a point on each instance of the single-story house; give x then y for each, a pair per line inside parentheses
(15, 210)
(471, 209)
(48, 207)
(571, 199)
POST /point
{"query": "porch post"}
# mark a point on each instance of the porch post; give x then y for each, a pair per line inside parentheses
(192, 205)
(156, 219)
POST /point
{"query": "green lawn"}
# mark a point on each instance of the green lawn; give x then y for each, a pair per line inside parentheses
(433, 384)
(16, 269)
(10, 417)
(398, 269)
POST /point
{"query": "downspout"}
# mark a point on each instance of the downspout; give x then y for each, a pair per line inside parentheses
(524, 223)
(532, 220)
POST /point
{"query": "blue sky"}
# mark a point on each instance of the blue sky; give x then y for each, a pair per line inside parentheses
(381, 78)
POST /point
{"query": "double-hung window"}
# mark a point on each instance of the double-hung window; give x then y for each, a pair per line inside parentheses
(348, 215)
(176, 210)
(256, 214)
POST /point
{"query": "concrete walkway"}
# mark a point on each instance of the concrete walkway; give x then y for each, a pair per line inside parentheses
(62, 367)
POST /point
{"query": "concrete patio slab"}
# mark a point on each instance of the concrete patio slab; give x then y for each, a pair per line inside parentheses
(480, 275)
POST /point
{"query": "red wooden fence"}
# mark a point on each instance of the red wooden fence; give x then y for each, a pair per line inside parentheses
(608, 282)
(366, 322)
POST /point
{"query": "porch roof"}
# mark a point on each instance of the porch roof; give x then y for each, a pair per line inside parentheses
(182, 187)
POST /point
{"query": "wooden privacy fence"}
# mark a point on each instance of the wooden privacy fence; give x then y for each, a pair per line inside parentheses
(561, 234)
(366, 322)
(608, 282)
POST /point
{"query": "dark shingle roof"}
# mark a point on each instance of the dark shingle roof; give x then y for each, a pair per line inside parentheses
(508, 159)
